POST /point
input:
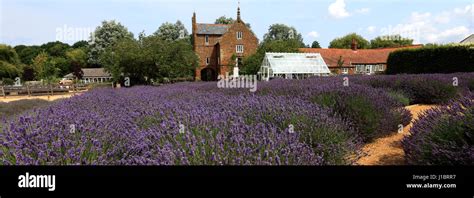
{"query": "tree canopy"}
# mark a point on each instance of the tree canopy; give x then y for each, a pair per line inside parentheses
(315, 44)
(150, 57)
(390, 41)
(283, 32)
(9, 63)
(345, 42)
(172, 32)
(106, 35)
(224, 20)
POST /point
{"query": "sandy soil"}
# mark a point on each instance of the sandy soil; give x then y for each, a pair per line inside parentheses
(388, 150)
(48, 98)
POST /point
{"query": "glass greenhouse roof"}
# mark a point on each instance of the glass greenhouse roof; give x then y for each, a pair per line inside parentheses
(295, 63)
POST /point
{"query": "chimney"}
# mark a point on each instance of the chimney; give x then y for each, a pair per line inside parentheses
(194, 29)
(194, 21)
(354, 44)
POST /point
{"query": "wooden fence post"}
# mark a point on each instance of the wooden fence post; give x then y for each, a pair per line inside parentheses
(3, 92)
(28, 90)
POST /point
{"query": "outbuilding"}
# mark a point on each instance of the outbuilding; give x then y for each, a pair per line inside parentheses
(292, 66)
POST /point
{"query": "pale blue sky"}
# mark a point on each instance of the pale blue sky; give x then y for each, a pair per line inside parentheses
(40, 21)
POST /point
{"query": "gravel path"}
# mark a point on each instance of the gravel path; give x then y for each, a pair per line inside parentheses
(388, 150)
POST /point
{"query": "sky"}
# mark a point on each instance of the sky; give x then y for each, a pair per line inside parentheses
(34, 22)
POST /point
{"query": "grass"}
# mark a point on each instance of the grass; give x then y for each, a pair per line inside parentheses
(17, 107)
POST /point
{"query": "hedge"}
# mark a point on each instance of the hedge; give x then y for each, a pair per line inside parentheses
(436, 59)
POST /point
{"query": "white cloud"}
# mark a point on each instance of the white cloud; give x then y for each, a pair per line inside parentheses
(371, 29)
(338, 9)
(457, 32)
(363, 10)
(313, 34)
(444, 17)
(468, 10)
(434, 27)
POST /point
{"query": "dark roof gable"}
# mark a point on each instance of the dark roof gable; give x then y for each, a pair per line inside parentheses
(212, 29)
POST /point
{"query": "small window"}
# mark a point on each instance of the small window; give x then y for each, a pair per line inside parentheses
(208, 61)
(345, 70)
(239, 35)
(240, 49)
(207, 39)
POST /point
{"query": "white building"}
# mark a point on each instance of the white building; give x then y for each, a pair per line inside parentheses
(92, 75)
(292, 66)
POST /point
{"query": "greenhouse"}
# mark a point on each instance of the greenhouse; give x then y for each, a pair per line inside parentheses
(292, 66)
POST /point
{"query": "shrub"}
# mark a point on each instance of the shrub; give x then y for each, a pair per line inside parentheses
(443, 136)
(420, 89)
(471, 85)
(372, 112)
(436, 59)
(400, 97)
(142, 126)
(424, 91)
(8, 81)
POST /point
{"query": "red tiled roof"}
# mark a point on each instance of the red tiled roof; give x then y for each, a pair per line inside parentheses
(361, 56)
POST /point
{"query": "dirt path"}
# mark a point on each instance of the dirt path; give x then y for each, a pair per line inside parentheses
(388, 150)
(48, 98)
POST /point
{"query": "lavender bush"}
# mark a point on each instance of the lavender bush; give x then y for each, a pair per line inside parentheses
(371, 112)
(177, 125)
(443, 136)
(423, 88)
(319, 121)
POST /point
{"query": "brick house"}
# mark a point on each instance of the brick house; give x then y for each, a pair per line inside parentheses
(218, 44)
(355, 61)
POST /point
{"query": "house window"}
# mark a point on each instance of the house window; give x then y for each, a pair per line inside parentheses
(379, 67)
(240, 49)
(368, 69)
(207, 39)
(239, 35)
(208, 61)
(345, 70)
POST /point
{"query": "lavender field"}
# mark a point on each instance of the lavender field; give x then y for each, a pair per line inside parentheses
(318, 121)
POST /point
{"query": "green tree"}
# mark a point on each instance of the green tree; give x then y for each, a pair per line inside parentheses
(172, 32)
(45, 67)
(390, 41)
(315, 45)
(80, 44)
(227, 21)
(10, 66)
(56, 48)
(283, 32)
(106, 36)
(150, 58)
(27, 53)
(224, 20)
(77, 55)
(345, 42)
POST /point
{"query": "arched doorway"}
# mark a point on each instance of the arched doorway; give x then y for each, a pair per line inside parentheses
(208, 74)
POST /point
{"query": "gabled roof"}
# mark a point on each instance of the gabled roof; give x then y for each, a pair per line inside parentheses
(212, 29)
(296, 63)
(95, 72)
(361, 56)
(469, 39)
(91, 73)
